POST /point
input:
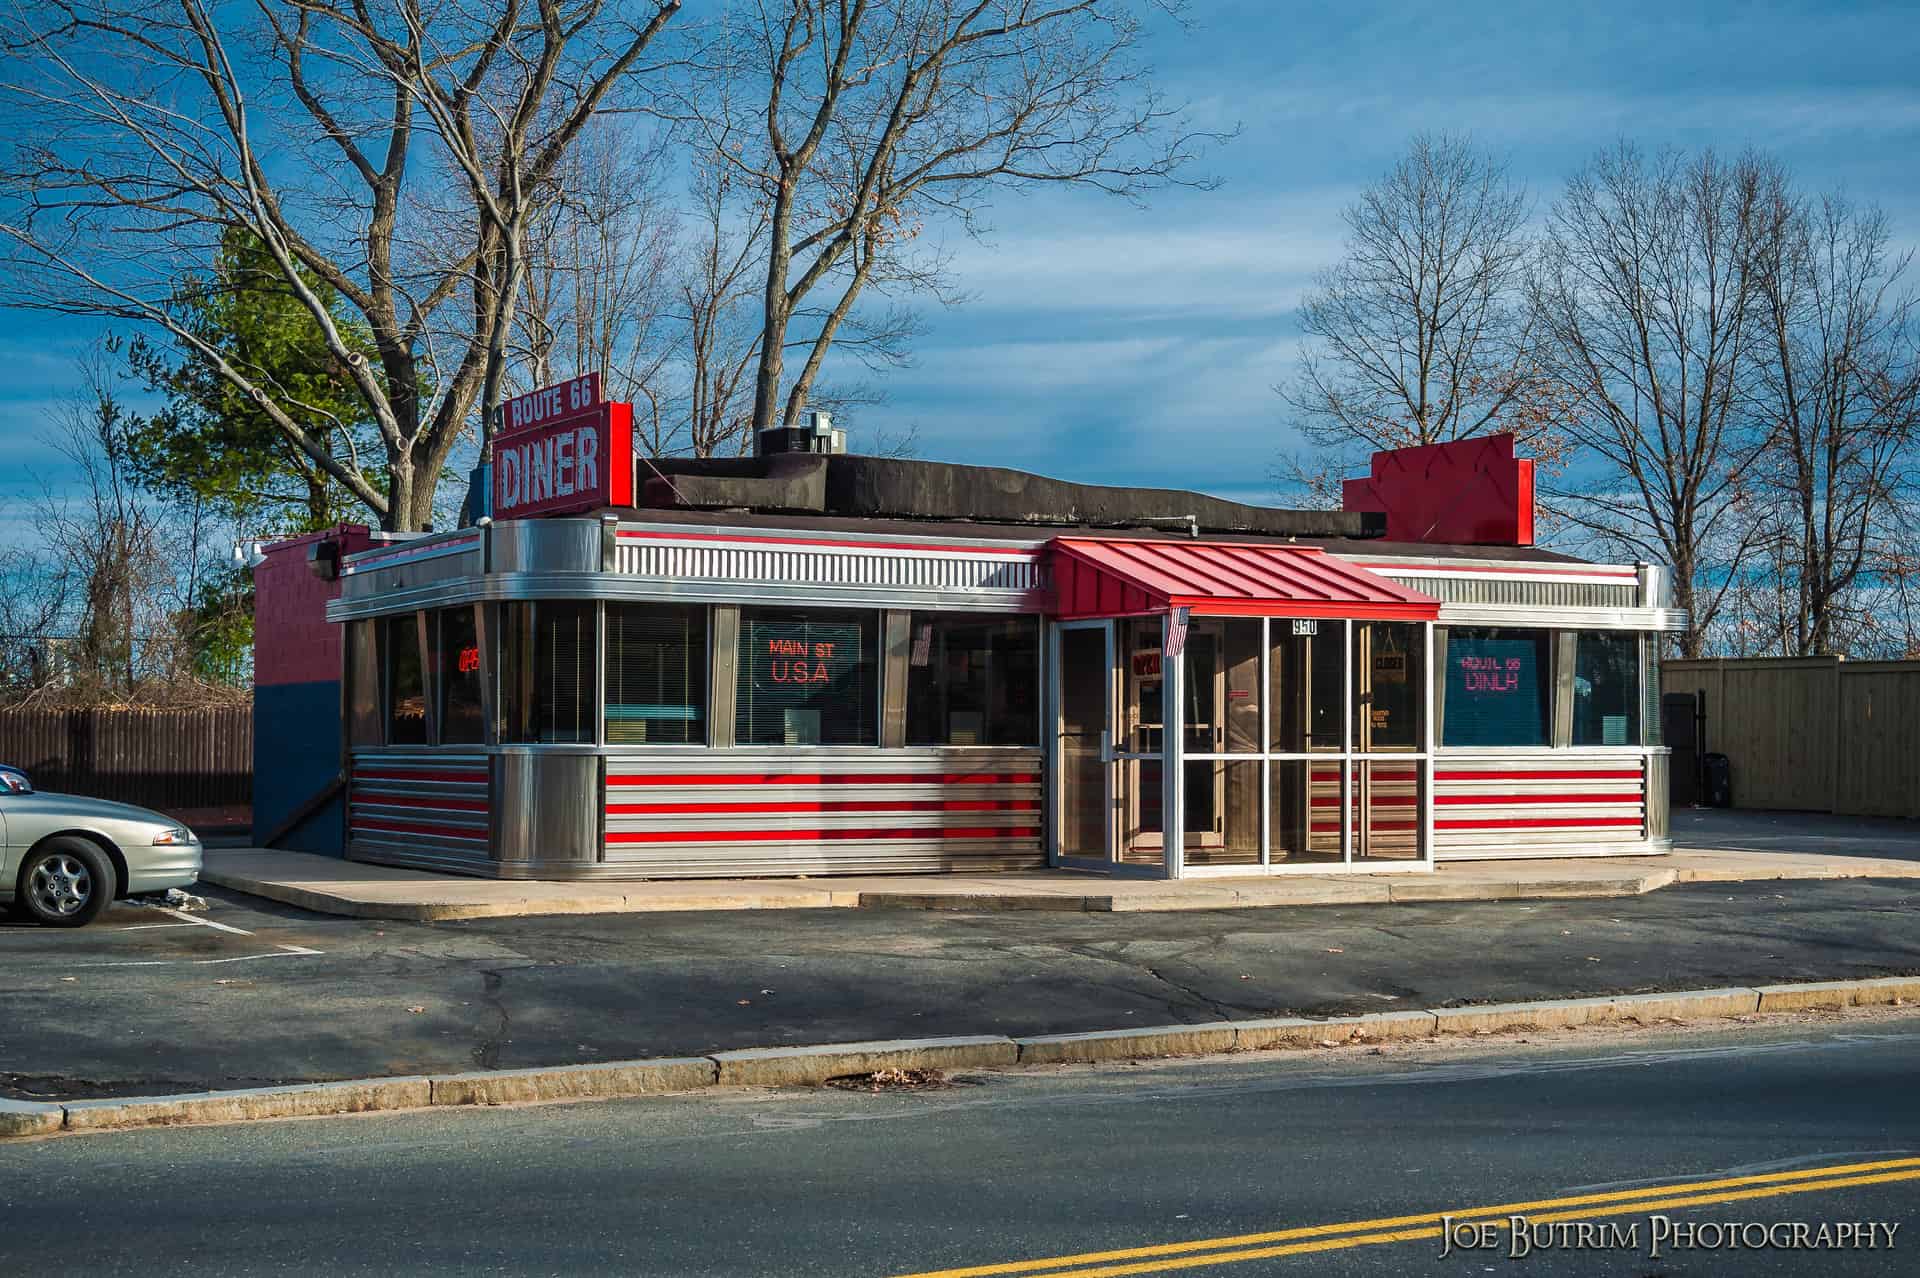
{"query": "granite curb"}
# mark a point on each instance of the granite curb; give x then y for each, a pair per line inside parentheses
(814, 1065)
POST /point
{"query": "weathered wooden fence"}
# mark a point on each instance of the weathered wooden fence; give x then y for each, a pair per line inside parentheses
(168, 759)
(1816, 734)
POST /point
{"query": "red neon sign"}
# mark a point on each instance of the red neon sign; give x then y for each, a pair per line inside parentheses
(468, 661)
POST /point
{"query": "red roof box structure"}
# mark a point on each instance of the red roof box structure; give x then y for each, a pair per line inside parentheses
(1114, 577)
(1471, 492)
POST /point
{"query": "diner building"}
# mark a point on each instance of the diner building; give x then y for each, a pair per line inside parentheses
(812, 663)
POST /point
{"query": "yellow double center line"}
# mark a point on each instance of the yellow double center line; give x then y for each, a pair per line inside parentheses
(1395, 1229)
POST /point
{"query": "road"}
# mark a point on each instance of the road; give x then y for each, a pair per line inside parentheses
(1178, 1159)
(253, 993)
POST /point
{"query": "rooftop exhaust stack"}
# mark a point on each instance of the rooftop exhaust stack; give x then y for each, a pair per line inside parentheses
(816, 433)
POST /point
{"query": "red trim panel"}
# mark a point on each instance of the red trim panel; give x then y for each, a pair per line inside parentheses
(420, 801)
(1537, 823)
(410, 827)
(398, 774)
(835, 805)
(1527, 774)
(1564, 570)
(940, 548)
(1494, 800)
(810, 836)
(826, 778)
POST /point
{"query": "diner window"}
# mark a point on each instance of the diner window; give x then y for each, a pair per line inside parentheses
(1606, 689)
(406, 680)
(656, 674)
(547, 671)
(458, 677)
(1499, 687)
(807, 677)
(973, 680)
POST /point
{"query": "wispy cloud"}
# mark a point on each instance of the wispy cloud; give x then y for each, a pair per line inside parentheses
(1246, 258)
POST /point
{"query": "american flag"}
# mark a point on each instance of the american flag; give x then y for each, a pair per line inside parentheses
(1177, 631)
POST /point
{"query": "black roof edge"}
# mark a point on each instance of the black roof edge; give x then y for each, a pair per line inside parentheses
(860, 487)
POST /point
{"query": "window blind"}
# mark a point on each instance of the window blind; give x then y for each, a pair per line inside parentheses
(807, 677)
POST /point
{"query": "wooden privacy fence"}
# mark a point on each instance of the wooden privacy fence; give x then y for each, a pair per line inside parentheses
(167, 759)
(1817, 734)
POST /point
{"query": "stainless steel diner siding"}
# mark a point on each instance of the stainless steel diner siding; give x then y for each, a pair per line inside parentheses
(1014, 577)
(429, 809)
(1522, 590)
(1548, 803)
(823, 811)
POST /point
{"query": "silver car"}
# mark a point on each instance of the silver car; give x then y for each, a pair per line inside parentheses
(64, 858)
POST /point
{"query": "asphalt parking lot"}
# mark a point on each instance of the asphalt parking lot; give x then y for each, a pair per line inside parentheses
(151, 934)
(251, 993)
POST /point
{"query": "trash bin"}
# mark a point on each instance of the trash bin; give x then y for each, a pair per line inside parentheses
(1716, 778)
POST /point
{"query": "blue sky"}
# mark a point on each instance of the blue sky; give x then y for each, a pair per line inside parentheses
(1113, 344)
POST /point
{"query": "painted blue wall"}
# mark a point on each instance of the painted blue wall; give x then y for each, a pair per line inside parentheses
(296, 752)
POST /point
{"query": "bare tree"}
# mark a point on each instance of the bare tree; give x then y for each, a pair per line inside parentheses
(600, 258)
(331, 131)
(1839, 382)
(715, 294)
(1421, 333)
(121, 567)
(1646, 295)
(859, 120)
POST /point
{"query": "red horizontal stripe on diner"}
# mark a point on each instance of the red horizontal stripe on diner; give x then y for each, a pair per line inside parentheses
(1539, 774)
(1534, 823)
(940, 548)
(1379, 800)
(1494, 800)
(1376, 825)
(825, 778)
(410, 827)
(419, 801)
(818, 836)
(1562, 570)
(408, 774)
(833, 805)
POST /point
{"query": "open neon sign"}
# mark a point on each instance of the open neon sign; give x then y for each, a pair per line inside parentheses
(468, 660)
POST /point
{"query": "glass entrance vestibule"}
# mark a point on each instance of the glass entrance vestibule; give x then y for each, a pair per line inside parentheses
(1241, 745)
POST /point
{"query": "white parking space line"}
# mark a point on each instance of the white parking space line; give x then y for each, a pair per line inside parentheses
(148, 927)
(286, 951)
(221, 927)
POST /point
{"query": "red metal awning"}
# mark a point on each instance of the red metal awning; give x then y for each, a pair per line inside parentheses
(1113, 577)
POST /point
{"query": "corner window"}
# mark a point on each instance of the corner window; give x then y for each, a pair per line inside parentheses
(1499, 688)
(656, 674)
(547, 671)
(1606, 689)
(807, 677)
(406, 680)
(458, 677)
(364, 724)
(973, 680)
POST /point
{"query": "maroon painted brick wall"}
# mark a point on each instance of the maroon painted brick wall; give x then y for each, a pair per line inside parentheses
(293, 642)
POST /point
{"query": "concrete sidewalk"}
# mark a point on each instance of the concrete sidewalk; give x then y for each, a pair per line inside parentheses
(333, 886)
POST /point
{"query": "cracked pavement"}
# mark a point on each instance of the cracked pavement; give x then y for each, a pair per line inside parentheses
(141, 1003)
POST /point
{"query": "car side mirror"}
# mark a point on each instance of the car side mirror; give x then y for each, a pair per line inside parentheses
(14, 781)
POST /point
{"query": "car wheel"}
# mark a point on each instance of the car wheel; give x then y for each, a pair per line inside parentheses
(65, 883)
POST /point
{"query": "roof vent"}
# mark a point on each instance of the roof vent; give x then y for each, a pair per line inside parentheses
(816, 433)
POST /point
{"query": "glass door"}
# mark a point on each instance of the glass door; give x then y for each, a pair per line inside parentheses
(1139, 775)
(1083, 743)
(1389, 728)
